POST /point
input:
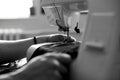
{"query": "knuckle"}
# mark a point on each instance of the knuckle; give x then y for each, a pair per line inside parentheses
(51, 61)
(57, 74)
(54, 62)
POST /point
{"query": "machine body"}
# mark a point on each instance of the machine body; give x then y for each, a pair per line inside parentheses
(98, 57)
(61, 11)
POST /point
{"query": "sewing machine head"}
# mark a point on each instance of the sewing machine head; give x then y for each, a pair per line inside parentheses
(60, 11)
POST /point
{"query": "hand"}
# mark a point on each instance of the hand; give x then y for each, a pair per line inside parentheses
(60, 38)
(45, 67)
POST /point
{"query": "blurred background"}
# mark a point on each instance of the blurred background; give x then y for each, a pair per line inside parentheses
(22, 18)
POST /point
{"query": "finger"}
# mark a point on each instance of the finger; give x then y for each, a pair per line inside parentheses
(60, 37)
(50, 67)
(58, 75)
(53, 75)
(62, 68)
(56, 37)
(62, 57)
(47, 62)
(54, 64)
(51, 62)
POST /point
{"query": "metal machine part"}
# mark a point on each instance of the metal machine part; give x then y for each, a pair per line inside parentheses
(61, 11)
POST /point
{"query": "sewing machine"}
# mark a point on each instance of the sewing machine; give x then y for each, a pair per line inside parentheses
(98, 57)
